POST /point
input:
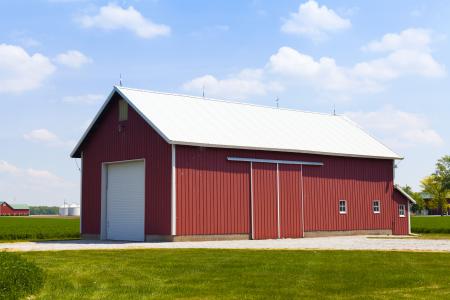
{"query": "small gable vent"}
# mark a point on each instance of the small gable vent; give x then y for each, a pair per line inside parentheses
(123, 110)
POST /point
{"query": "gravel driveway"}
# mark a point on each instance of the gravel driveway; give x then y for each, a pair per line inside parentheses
(336, 243)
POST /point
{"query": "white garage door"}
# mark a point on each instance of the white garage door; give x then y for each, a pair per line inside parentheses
(125, 201)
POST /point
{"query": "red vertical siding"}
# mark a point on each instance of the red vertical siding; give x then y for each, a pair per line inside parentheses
(400, 224)
(359, 182)
(135, 140)
(213, 194)
(290, 201)
(265, 212)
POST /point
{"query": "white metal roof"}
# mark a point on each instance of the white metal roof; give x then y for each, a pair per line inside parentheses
(189, 120)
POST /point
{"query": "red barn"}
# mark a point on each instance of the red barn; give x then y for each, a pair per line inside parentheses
(7, 209)
(159, 166)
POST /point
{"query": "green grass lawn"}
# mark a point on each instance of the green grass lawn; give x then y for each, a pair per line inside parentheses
(430, 224)
(242, 274)
(39, 228)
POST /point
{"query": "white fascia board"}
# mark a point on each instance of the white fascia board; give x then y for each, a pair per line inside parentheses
(116, 89)
(92, 123)
(398, 188)
(182, 143)
(371, 136)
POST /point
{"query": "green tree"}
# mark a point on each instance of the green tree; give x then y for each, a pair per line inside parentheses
(443, 171)
(420, 203)
(435, 186)
(44, 210)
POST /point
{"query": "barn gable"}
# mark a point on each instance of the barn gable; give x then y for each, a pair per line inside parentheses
(112, 140)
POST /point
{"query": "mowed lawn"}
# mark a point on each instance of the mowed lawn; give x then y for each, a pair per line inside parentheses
(39, 228)
(242, 274)
(430, 224)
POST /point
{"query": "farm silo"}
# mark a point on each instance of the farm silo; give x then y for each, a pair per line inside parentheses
(64, 210)
(74, 210)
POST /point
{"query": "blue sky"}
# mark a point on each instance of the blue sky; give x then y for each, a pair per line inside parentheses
(382, 63)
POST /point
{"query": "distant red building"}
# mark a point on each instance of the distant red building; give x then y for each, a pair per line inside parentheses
(7, 209)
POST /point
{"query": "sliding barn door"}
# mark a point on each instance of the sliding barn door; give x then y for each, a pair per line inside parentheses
(276, 201)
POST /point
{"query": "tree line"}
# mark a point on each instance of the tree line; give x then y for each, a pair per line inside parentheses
(437, 185)
(44, 210)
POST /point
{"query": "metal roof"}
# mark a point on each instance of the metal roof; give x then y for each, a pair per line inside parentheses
(197, 121)
(428, 196)
(16, 206)
(19, 206)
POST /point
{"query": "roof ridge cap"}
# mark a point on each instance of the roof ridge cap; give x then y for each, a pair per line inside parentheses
(229, 101)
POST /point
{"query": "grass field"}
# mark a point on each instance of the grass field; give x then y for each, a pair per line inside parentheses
(38, 228)
(242, 274)
(430, 224)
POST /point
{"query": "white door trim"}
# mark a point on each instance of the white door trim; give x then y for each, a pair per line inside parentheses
(174, 192)
(278, 202)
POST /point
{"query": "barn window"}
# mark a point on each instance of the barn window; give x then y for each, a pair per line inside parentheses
(342, 206)
(376, 206)
(401, 210)
(123, 110)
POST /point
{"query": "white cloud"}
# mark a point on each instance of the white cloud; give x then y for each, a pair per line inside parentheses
(400, 63)
(246, 83)
(294, 69)
(314, 21)
(22, 37)
(410, 39)
(366, 76)
(44, 175)
(324, 73)
(34, 186)
(398, 129)
(40, 135)
(48, 138)
(30, 173)
(6, 167)
(85, 99)
(20, 71)
(113, 17)
(409, 53)
(73, 59)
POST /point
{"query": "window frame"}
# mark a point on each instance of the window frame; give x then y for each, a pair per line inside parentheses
(345, 207)
(379, 206)
(400, 208)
